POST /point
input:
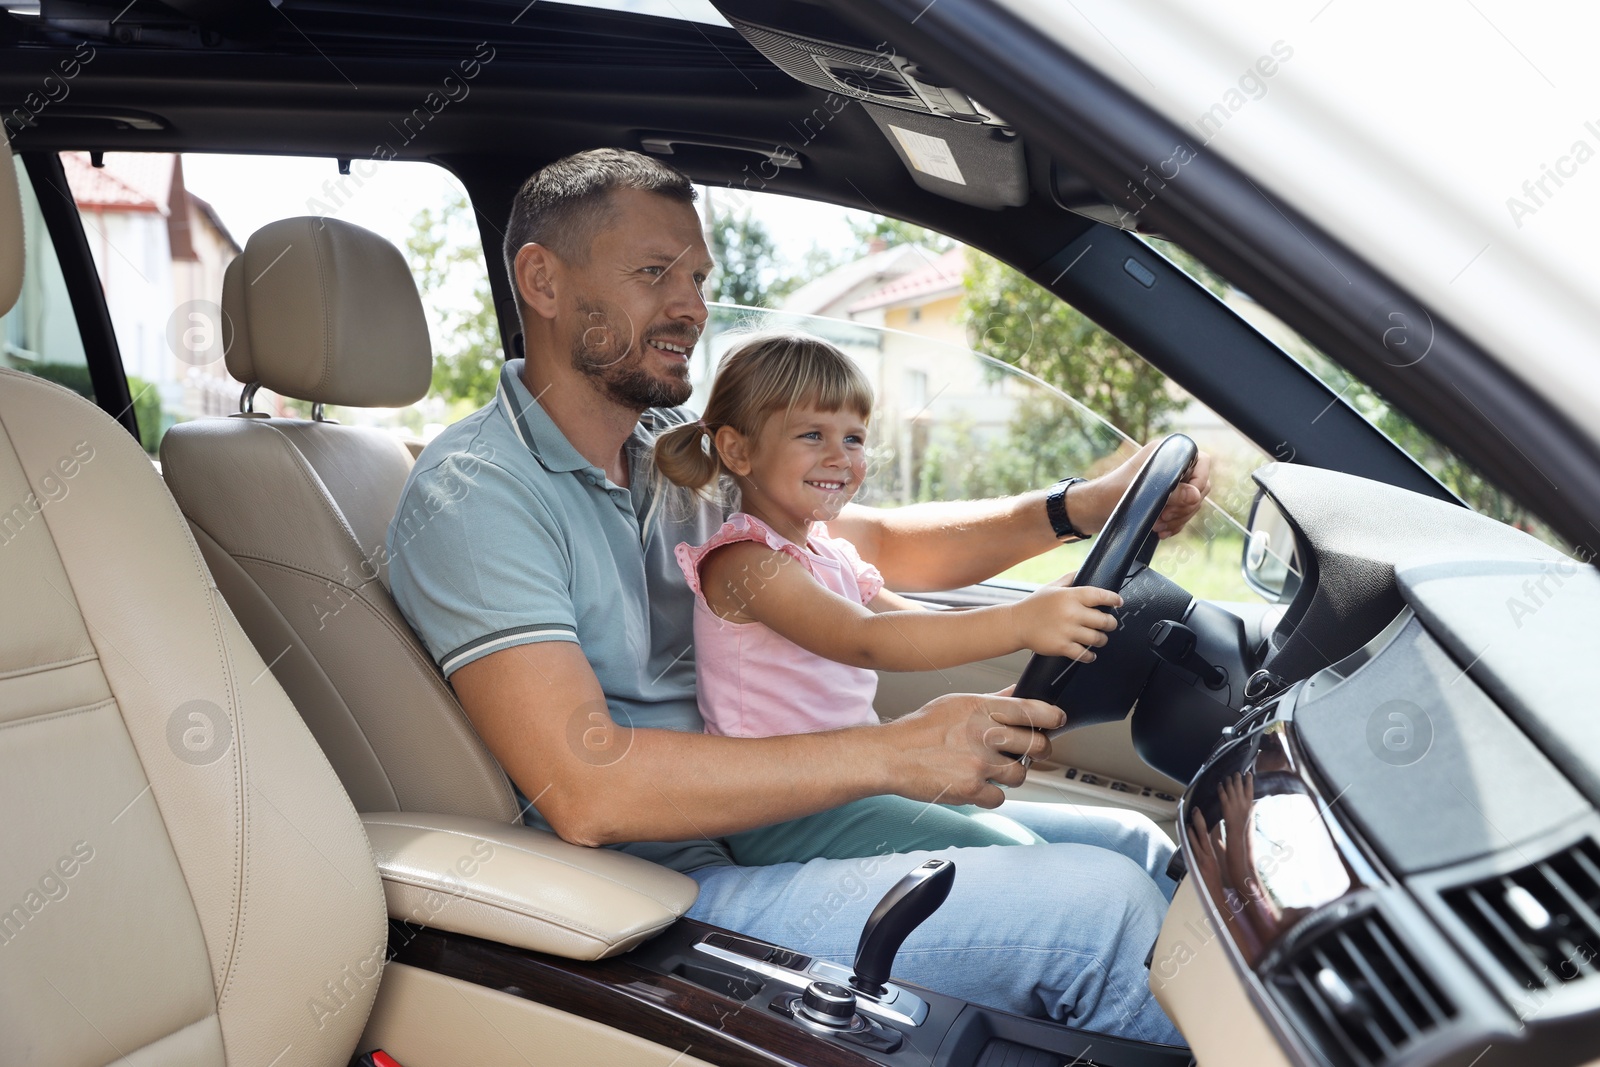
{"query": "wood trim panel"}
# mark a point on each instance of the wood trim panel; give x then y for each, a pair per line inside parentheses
(661, 1008)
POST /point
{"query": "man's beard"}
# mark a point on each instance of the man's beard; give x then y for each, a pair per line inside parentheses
(615, 358)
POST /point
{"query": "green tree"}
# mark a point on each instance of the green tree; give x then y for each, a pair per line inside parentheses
(747, 270)
(1011, 319)
(147, 412)
(1045, 440)
(446, 258)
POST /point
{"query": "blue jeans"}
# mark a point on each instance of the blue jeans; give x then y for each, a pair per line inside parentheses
(1059, 930)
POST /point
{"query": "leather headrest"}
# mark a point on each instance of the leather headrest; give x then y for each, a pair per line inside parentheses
(327, 312)
(11, 236)
(235, 338)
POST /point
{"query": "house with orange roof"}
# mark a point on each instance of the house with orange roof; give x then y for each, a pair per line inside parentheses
(924, 370)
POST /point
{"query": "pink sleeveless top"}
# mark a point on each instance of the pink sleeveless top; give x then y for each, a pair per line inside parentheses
(754, 682)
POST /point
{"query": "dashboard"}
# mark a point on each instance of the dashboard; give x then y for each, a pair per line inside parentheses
(1400, 840)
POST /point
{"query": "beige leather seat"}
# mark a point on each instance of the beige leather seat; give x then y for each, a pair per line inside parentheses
(182, 880)
(291, 514)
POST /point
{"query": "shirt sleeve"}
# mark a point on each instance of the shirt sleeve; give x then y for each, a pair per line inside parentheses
(868, 578)
(478, 563)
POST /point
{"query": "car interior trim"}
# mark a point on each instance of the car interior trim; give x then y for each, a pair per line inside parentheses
(521, 886)
(419, 1019)
(1220, 359)
(103, 354)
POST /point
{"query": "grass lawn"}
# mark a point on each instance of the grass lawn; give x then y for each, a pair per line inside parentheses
(1209, 569)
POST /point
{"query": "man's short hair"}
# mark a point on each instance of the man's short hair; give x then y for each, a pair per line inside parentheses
(566, 203)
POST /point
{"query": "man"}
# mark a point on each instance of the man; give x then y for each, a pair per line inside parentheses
(533, 554)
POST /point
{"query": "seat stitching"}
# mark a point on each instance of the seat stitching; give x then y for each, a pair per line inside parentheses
(241, 866)
(170, 1033)
(459, 891)
(338, 793)
(318, 490)
(29, 720)
(408, 644)
(424, 664)
(200, 571)
(308, 474)
(308, 442)
(318, 664)
(40, 668)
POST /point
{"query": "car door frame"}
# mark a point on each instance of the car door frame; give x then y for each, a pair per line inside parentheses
(64, 227)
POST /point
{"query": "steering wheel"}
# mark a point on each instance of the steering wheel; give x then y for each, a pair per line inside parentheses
(1128, 538)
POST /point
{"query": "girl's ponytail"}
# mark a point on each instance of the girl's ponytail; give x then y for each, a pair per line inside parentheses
(686, 457)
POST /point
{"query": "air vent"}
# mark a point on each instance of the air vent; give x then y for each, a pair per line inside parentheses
(876, 78)
(1540, 922)
(1357, 993)
(858, 72)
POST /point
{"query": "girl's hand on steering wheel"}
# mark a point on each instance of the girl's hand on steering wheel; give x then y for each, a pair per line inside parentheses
(1059, 620)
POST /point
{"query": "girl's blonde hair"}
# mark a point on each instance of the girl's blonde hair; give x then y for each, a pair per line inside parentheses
(762, 374)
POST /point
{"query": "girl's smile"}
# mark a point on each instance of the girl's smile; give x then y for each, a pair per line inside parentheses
(804, 466)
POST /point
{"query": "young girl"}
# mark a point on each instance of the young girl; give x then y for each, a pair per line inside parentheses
(791, 624)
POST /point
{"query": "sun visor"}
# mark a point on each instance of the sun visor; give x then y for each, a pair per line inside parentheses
(975, 164)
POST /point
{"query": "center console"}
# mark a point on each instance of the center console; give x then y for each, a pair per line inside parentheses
(593, 941)
(732, 1000)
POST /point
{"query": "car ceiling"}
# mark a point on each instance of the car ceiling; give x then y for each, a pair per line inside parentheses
(338, 78)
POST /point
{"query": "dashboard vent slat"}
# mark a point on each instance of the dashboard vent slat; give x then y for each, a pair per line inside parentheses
(1357, 993)
(1588, 866)
(1540, 923)
(1330, 1023)
(1506, 945)
(1390, 1004)
(1437, 1015)
(1590, 921)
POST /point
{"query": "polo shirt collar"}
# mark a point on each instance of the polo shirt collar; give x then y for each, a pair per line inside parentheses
(542, 437)
(533, 425)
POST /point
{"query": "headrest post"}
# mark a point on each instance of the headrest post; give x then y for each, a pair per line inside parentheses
(317, 415)
(247, 399)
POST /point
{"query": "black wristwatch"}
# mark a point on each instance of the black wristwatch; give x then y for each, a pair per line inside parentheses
(1055, 506)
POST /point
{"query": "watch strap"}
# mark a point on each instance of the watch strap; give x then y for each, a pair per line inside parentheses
(1055, 507)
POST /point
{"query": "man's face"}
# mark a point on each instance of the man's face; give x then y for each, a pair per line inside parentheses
(637, 306)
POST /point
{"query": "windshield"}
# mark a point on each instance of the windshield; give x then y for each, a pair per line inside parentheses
(1455, 473)
(953, 424)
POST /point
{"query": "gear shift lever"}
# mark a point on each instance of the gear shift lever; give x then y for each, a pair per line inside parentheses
(902, 909)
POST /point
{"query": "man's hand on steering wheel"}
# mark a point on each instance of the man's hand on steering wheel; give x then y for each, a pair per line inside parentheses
(961, 747)
(1090, 504)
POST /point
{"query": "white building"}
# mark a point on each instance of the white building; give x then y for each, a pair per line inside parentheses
(160, 252)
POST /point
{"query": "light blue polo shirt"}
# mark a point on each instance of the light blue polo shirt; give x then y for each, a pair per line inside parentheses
(506, 536)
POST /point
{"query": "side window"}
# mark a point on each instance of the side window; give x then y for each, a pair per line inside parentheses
(40, 335)
(164, 227)
(986, 384)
